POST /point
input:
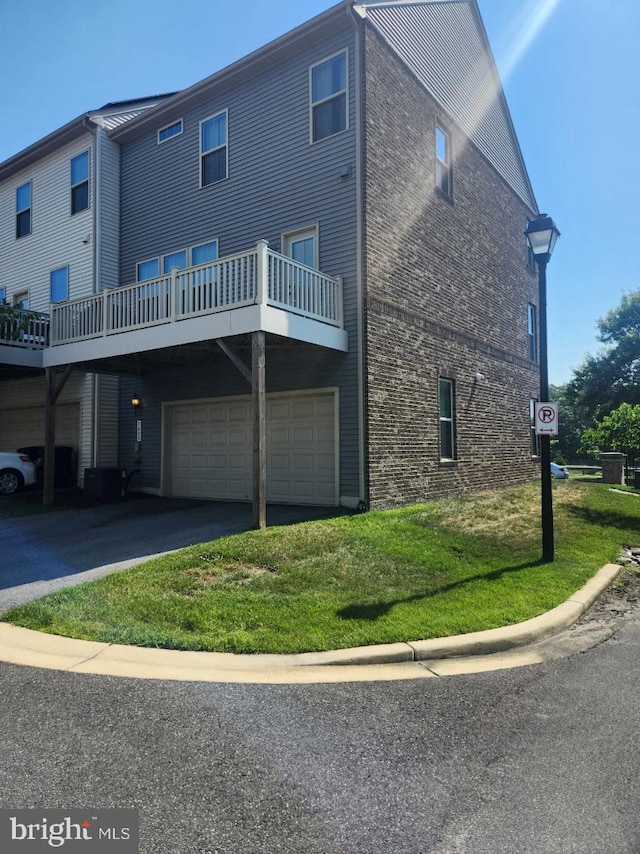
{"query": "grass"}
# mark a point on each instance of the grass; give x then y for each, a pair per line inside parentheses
(425, 571)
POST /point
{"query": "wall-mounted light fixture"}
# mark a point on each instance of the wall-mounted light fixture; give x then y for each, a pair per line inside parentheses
(478, 376)
(136, 402)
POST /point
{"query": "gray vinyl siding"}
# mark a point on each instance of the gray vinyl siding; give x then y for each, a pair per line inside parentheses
(277, 182)
(107, 389)
(445, 47)
(108, 199)
(56, 238)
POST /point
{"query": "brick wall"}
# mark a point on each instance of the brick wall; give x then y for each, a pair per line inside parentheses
(446, 294)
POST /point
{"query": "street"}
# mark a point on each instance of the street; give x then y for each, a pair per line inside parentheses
(538, 759)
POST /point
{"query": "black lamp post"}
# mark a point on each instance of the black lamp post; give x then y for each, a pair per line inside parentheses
(542, 234)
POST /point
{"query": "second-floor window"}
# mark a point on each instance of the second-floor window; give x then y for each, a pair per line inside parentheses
(532, 331)
(329, 97)
(59, 282)
(213, 149)
(23, 210)
(80, 183)
(443, 161)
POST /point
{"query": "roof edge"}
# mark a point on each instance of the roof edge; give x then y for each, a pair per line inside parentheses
(192, 92)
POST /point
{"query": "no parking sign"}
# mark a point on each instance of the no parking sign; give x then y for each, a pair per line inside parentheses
(546, 419)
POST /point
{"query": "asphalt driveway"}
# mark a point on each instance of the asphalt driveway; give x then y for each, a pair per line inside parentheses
(39, 554)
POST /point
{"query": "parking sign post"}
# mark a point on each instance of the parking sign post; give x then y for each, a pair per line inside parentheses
(542, 235)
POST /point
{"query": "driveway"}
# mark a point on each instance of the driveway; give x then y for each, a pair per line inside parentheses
(52, 550)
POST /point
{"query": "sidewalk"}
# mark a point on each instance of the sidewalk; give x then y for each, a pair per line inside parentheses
(509, 646)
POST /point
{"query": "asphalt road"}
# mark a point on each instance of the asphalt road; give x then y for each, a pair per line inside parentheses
(541, 759)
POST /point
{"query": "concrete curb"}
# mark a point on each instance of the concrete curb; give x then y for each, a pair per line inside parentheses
(387, 661)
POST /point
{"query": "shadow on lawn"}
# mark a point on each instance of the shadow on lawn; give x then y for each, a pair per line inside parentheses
(610, 518)
(374, 610)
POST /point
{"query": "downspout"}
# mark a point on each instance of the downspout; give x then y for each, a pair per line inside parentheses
(95, 197)
(362, 456)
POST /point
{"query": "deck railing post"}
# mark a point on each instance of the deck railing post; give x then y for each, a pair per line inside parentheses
(262, 272)
(173, 294)
(105, 310)
(339, 302)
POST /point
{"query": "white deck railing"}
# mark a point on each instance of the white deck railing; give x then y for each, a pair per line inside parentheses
(260, 276)
(29, 329)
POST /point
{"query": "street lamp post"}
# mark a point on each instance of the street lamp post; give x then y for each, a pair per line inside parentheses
(542, 234)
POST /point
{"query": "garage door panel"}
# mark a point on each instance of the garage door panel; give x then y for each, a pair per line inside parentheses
(300, 450)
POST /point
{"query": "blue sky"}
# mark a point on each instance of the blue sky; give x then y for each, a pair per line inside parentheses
(568, 68)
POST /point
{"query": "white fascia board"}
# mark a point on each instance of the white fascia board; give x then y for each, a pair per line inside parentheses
(251, 318)
(21, 357)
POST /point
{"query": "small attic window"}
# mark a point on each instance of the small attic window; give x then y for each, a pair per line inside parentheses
(170, 131)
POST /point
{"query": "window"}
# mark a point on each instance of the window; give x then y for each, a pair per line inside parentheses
(148, 270)
(532, 332)
(213, 149)
(3, 295)
(196, 255)
(302, 246)
(80, 183)
(170, 131)
(23, 210)
(22, 299)
(443, 160)
(329, 97)
(535, 439)
(176, 259)
(59, 281)
(447, 420)
(204, 253)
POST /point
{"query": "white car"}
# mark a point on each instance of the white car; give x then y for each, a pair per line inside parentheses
(560, 472)
(16, 472)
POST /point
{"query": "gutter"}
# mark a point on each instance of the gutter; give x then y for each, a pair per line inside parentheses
(362, 456)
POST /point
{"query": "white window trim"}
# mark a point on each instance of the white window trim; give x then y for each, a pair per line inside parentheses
(289, 237)
(188, 250)
(451, 421)
(532, 334)
(173, 135)
(22, 210)
(86, 181)
(18, 297)
(447, 164)
(313, 103)
(210, 151)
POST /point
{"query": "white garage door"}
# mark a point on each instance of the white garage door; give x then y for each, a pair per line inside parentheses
(22, 427)
(212, 456)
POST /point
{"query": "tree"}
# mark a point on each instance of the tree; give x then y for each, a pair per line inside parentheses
(573, 421)
(612, 377)
(618, 431)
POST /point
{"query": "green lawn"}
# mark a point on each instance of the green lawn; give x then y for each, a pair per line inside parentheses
(424, 571)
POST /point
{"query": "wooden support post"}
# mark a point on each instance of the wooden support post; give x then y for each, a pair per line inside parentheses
(52, 391)
(259, 431)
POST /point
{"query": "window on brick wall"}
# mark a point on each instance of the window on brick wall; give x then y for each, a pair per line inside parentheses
(446, 394)
(444, 177)
(535, 439)
(532, 331)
